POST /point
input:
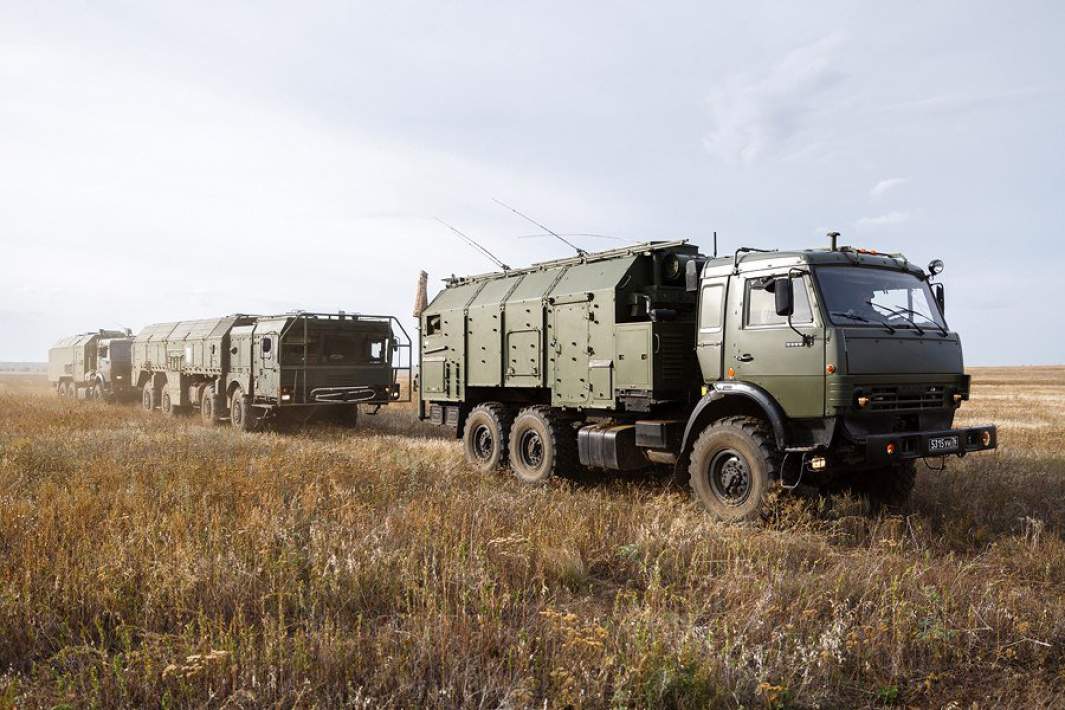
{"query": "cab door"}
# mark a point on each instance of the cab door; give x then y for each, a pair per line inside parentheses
(763, 350)
(711, 337)
(266, 368)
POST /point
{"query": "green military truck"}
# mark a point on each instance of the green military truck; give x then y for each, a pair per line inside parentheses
(251, 369)
(827, 368)
(92, 365)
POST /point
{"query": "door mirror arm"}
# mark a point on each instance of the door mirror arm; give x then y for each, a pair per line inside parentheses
(784, 290)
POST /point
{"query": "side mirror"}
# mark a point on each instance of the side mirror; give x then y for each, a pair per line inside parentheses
(784, 293)
(935, 267)
(691, 275)
(941, 298)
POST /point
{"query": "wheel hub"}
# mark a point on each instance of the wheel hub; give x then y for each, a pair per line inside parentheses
(730, 477)
(483, 442)
(532, 449)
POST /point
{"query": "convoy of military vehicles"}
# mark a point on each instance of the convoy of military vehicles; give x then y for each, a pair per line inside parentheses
(242, 368)
(825, 369)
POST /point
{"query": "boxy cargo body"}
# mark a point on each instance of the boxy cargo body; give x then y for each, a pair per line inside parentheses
(827, 368)
(91, 365)
(572, 333)
(251, 368)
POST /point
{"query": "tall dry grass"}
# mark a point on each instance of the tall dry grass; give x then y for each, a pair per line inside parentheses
(146, 561)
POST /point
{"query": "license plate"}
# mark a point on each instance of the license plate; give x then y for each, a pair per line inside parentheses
(943, 443)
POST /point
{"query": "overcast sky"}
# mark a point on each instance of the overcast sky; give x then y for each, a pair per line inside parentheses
(161, 161)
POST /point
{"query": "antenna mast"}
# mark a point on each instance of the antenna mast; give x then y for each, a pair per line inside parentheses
(498, 262)
(556, 235)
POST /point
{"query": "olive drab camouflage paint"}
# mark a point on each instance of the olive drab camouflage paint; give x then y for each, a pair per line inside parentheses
(825, 367)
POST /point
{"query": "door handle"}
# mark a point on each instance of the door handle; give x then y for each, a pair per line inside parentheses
(746, 357)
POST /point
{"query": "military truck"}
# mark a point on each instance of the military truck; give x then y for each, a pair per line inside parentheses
(821, 368)
(252, 369)
(93, 365)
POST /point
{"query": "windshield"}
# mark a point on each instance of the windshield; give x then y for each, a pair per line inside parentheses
(334, 348)
(857, 296)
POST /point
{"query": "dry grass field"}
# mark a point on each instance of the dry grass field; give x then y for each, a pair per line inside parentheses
(146, 561)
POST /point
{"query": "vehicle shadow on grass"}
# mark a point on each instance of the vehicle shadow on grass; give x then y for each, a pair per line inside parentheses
(963, 508)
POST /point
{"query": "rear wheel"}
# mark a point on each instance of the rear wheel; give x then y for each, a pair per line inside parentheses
(207, 409)
(484, 440)
(542, 444)
(148, 397)
(166, 406)
(241, 413)
(732, 464)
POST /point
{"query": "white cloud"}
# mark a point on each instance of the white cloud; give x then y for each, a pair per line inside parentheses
(882, 187)
(891, 218)
(754, 116)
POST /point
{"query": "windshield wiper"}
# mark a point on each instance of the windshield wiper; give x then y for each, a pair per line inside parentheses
(862, 319)
(903, 311)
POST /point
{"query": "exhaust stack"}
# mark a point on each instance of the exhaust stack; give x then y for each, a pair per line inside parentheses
(421, 298)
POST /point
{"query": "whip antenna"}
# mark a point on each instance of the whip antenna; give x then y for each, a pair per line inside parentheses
(498, 262)
(556, 235)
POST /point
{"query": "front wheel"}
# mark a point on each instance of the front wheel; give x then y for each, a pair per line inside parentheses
(732, 464)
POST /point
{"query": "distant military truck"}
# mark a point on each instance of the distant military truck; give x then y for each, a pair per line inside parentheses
(829, 368)
(92, 366)
(250, 369)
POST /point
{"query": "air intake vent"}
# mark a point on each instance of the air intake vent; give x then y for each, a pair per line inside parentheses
(883, 399)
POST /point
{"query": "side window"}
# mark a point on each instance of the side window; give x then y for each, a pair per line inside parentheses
(268, 346)
(710, 307)
(377, 350)
(432, 324)
(761, 308)
(103, 352)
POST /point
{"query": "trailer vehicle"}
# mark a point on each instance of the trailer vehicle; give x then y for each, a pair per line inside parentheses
(823, 367)
(93, 365)
(250, 369)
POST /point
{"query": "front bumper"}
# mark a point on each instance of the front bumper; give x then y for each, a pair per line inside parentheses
(885, 448)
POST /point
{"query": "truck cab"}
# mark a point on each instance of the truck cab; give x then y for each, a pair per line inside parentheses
(850, 360)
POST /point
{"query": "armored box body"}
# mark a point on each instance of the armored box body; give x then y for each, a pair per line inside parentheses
(604, 331)
(274, 361)
(75, 358)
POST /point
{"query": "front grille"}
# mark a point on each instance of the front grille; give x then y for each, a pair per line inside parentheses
(896, 398)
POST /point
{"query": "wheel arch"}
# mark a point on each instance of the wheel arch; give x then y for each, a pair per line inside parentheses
(729, 399)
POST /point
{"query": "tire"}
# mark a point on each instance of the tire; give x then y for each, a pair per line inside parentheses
(148, 397)
(166, 406)
(207, 409)
(885, 489)
(241, 413)
(733, 463)
(542, 444)
(485, 440)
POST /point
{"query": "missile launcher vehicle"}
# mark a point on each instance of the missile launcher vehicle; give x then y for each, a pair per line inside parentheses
(823, 368)
(250, 369)
(92, 365)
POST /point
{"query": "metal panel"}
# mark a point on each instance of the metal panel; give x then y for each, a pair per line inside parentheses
(569, 333)
(633, 345)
